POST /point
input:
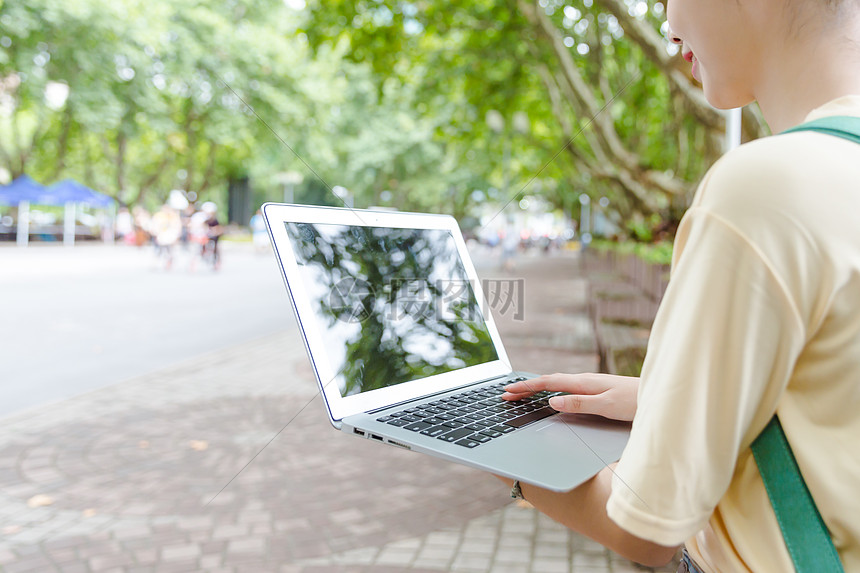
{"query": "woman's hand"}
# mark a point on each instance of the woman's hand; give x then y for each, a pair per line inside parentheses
(606, 395)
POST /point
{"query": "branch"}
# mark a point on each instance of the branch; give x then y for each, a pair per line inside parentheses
(40, 122)
(637, 195)
(63, 143)
(555, 101)
(597, 146)
(210, 168)
(153, 177)
(120, 160)
(554, 86)
(607, 146)
(653, 46)
(106, 150)
(190, 144)
(16, 137)
(7, 158)
(601, 121)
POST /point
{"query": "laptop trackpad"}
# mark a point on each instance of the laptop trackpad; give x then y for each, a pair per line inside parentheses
(565, 450)
(606, 438)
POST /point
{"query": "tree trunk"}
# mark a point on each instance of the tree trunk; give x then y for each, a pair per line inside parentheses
(121, 141)
(210, 169)
(19, 164)
(8, 162)
(63, 143)
(612, 159)
(191, 146)
(147, 183)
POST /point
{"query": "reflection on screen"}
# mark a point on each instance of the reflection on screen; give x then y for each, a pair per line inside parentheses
(393, 304)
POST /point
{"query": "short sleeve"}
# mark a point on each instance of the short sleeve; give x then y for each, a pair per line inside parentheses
(720, 354)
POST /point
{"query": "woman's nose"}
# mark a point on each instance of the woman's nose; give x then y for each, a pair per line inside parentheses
(674, 38)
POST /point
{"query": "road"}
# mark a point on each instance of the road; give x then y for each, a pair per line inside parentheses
(77, 319)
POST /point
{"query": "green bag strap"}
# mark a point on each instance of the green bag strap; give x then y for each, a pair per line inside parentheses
(805, 534)
(844, 126)
(803, 530)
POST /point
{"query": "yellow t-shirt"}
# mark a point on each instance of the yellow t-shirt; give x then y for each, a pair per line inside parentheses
(762, 314)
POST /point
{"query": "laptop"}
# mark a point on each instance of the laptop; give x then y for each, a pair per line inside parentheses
(406, 353)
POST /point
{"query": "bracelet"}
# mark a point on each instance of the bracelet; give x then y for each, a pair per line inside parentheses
(517, 491)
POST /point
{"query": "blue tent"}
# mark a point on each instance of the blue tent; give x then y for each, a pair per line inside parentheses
(70, 191)
(22, 189)
(24, 192)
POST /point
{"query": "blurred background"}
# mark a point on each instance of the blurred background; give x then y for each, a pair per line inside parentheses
(148, 354)
(547, 112)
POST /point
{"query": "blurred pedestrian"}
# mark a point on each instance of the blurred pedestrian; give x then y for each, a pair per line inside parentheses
(166, 230)
(142, 219)
(258, 232)
(198, 236)
(125, 226)
(214, 231)
(510, 243)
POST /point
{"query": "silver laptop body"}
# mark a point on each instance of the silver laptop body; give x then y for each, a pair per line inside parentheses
(393, 317)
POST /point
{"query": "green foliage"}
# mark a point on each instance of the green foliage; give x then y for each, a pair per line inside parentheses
(628, 361)
(181, 94)
(659, 253)
(388, 98)
(642, 228)
(469, 57)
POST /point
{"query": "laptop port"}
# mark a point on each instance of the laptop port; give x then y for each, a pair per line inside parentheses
(398, 444)
(375, 437)
(357, 431)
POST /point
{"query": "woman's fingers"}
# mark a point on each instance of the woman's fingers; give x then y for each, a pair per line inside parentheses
(579, 403)
(519, 390)
(571, 383)
(615, 404)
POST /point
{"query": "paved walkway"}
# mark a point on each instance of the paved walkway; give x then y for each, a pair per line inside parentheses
(227, 463)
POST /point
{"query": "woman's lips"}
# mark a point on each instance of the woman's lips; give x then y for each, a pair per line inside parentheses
(690, 57)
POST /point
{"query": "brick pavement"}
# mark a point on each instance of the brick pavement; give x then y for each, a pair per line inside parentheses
(127, 478)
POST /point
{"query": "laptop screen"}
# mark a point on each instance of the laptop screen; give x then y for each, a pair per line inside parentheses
(393, 304)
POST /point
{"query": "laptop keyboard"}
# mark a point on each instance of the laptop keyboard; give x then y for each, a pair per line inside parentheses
(473, 417)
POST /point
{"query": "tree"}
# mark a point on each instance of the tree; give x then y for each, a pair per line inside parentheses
(388, 98)
(611, 109)
(160, 95)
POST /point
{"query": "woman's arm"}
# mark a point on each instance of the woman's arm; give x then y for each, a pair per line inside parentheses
(583, 510)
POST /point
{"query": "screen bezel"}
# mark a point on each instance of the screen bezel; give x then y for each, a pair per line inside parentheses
(277, 215)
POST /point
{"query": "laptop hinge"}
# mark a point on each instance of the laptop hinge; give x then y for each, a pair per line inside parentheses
(439, 393)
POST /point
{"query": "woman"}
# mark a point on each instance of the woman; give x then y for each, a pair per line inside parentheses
(762, 314)
(166, 230)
